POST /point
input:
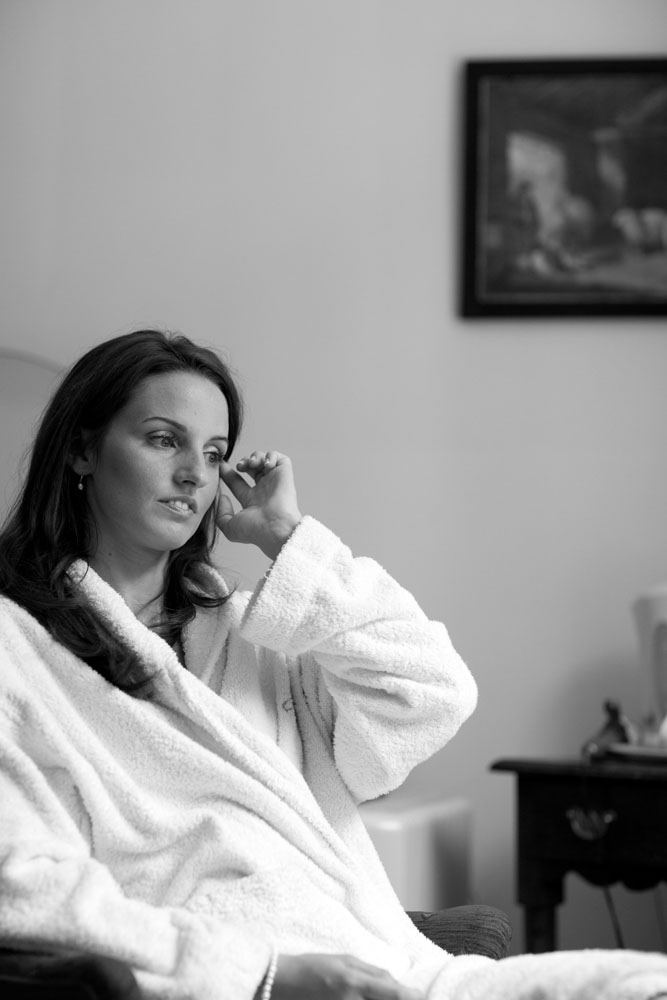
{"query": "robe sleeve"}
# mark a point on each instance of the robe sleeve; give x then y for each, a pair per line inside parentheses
(384, 679)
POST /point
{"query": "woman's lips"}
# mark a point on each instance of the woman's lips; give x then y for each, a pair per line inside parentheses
(179, 506)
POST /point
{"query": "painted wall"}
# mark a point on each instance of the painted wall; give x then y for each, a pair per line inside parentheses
(281, 180)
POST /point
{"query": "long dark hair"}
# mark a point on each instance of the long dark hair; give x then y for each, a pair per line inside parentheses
(45, 531)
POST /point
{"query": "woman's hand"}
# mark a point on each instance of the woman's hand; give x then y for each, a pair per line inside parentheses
(269, 510)
(335, 977)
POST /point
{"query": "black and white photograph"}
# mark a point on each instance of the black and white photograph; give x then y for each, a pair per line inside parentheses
(333, 616)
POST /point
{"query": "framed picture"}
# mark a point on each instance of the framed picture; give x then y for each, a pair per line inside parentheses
(565, 189)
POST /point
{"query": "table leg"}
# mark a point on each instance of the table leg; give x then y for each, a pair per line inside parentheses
(539, 928)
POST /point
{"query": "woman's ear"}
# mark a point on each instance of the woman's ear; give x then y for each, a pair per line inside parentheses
(82, 457)
(82, 466)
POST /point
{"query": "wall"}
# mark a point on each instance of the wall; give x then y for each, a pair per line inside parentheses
(281, 180)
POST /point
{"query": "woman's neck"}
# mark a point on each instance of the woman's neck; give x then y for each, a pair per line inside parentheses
(140, 585)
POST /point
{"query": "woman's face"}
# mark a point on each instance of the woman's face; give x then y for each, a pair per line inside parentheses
(155, 472)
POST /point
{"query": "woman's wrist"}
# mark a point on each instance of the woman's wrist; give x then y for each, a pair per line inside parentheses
(281, 531)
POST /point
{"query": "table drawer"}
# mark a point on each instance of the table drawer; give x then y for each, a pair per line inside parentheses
(587, 820)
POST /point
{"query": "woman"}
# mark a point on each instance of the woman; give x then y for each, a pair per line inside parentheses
(180, 764)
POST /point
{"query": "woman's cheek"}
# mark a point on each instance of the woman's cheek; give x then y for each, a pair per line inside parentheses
(210, 501)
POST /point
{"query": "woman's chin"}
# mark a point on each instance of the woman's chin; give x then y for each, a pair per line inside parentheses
(170, 539)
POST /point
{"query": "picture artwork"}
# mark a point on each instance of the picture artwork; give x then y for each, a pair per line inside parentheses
(565, 188)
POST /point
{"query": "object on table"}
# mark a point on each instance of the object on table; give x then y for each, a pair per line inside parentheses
(617, 729)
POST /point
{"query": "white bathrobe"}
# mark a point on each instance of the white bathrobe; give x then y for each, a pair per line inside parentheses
(190, 834)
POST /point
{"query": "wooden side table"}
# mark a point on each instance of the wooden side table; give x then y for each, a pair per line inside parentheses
(607, 821)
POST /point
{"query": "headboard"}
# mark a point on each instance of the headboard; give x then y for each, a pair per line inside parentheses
(26, 384)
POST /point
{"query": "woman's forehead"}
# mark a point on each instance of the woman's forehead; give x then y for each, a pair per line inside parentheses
(182, 396)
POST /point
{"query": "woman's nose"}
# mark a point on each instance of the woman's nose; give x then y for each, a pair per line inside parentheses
(193, 470)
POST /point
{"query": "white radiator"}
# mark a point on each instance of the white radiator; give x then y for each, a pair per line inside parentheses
(424, 845)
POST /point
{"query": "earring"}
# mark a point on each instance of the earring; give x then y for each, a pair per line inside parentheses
(80, 483)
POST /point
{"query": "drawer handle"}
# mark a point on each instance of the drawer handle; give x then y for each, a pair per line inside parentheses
(590, 824)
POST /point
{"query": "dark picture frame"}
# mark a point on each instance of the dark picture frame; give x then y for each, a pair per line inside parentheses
(565, 188)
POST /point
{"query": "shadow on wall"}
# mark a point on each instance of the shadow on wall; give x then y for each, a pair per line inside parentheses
(26, 385)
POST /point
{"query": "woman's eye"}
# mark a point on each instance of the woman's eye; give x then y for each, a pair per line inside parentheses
(163, 440)
(166, 441)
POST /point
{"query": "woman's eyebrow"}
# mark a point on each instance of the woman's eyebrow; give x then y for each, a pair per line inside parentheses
(182, 428)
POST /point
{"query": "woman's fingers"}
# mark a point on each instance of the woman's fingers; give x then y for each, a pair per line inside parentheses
(235, 482)
(255, 466)
(391, 990)
(258, 462)
(269, 507)
(337, 977)
(379, 984)
(253, 462)
(224, 509)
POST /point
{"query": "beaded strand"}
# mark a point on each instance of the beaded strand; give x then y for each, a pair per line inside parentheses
(270, 976)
